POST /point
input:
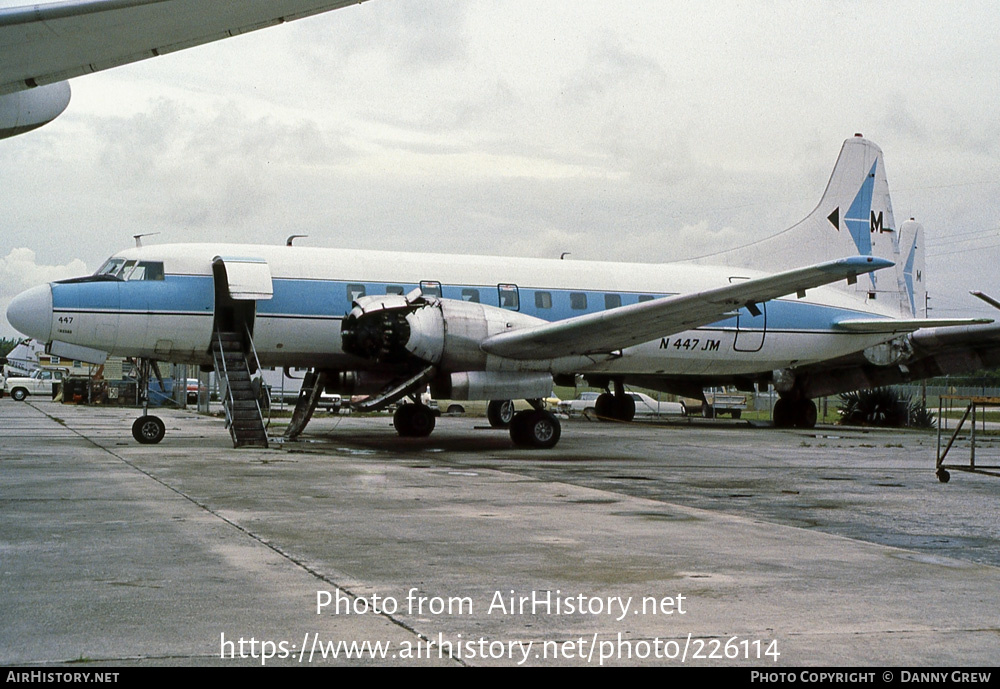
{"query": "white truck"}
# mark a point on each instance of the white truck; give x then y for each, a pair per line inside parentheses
(38, 383)
(717, 401)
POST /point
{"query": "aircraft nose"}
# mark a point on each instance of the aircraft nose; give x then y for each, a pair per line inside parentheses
(31, 312)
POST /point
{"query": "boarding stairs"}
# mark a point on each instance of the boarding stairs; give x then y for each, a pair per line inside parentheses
(232, 369)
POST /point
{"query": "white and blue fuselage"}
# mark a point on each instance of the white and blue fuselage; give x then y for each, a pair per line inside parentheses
(165, 308)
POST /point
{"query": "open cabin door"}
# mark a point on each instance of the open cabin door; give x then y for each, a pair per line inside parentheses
(239, 284)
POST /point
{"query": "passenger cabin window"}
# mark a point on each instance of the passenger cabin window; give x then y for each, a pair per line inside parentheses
(394, 289)
(355, 292)
(470, 294)
(543, 300)
(430, 288)
(508, 297)
(612, 301)
(577, 301)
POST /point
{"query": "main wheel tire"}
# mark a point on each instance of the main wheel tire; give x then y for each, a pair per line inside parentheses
(535, 428)
(19, 394)
(604, 407)
(148, 430)
(624, 408)
(805, 414)
(413, 420)
(782, 414)
(500, 413)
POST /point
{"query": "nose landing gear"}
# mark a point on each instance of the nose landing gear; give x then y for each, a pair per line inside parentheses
(147, 429)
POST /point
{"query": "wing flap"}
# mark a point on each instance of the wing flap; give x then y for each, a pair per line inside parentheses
(607, 331)
(904, 325)
(44, 44)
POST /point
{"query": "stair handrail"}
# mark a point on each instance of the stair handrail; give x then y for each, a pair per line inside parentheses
(253, 350)
(220, 354)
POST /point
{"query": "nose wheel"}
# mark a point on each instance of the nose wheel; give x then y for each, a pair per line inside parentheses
(148, 430)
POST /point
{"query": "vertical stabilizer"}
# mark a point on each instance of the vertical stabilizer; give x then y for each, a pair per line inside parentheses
(910, 267)
(853, 218)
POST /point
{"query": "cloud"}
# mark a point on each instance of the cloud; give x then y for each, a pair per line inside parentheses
(20, 270)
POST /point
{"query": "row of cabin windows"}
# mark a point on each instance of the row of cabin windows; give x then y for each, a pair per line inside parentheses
(508, 294)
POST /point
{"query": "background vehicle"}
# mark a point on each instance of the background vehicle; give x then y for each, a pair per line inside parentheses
(586, 403)
(328, 401)
(38, 383)
(717, 401)
(194, 387)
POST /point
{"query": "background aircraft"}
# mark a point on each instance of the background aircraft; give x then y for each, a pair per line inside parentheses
(474, 327)
(45, 45)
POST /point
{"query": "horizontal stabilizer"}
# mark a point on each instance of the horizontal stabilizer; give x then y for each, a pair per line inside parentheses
(625, 326)
(987, 298)
(904, 325)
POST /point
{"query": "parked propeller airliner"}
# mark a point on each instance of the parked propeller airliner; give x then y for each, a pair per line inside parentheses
(387, 325)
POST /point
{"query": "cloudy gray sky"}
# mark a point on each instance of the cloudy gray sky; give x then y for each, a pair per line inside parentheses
(624, 130)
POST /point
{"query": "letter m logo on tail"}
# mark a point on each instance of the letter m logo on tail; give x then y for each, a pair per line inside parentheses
(876, 222)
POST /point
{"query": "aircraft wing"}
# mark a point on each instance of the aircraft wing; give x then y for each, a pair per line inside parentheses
(607, 331)
(49, 43)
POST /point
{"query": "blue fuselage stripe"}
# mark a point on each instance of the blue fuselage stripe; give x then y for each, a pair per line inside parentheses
(331, 299)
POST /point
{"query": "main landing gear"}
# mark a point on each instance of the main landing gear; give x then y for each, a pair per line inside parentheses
(535, 428)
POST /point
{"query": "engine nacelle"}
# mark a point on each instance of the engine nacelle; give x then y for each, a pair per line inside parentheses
(491, 385)
(23, 111)
(392, 329)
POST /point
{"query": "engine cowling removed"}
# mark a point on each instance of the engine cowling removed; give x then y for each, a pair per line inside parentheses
(392, 329)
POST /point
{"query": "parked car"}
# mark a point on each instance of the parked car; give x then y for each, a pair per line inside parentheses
(583, 403)
(644, 405)
(194, 387)
(38, 383)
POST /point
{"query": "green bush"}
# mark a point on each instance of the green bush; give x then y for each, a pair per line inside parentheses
(884, 407)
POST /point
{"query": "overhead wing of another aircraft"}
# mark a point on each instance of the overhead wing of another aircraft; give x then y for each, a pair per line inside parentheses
(41, 46)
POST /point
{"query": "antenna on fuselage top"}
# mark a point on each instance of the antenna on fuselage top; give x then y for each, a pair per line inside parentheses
(563, 255)
(293, 237)
(138, 238)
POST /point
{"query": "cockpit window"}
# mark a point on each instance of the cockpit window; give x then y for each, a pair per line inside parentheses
(146, 270)
(110, 267)
(131, 270)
